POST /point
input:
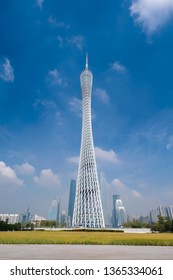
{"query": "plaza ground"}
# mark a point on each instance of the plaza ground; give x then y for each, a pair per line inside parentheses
(85, 252)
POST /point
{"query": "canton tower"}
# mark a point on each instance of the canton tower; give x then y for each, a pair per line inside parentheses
(88, 211)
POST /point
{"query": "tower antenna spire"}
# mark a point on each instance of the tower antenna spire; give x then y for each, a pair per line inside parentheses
(86, 65)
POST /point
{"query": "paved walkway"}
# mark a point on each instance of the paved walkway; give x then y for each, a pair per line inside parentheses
(85, 252)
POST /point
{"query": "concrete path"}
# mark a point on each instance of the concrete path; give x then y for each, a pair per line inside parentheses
(85, 252)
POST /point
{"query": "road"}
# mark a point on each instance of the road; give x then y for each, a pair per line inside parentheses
(85, 252)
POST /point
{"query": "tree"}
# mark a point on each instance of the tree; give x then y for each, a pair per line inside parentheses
(48, 223)
(136, 224)
(4, 226)
(164, 224)
(161, 224)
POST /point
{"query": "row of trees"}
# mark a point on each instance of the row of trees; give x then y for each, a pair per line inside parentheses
(4, 226)
(51, 224)
(136, 224)
(163, 224)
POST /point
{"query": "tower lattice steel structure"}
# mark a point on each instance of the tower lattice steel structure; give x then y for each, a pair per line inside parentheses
(88, 207)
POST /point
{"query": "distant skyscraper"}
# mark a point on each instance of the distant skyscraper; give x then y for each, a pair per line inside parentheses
(166, 211)
(63, 218)
(170, 212)
(88, 207)
(153, 216)
(118, 213)
(54, 211)
(162, 211)
(71, 200)
(103, 189)
(25, 217)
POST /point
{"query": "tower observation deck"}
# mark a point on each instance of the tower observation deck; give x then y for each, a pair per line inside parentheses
(88, 211)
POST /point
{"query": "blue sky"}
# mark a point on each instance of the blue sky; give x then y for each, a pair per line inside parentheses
(42, 53)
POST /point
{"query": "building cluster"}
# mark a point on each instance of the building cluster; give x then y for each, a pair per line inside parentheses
(60, 216)
(55, 213)
(161, 211)
(115, 219)
(10, 218)
(22, 218)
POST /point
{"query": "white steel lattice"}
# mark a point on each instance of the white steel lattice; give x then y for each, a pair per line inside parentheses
(88, 207)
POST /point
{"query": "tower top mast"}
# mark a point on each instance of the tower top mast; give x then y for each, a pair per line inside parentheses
(86, 65)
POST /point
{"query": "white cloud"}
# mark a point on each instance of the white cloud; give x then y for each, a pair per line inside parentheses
(151, 14)
(117, 183)
(59, 118)
(102, 94)
(170, 143)
(6, 71)
(117, 66)
(110, 155)
(49, 108)
(133, 200)
(8, 177)
(5, 134)
(39, 3)
(55, 77)
(60, 40)
(76, 106)
(55, 23)
(73, 160)
(47, 179)
(77, 41)
(48, 104)
(25, 169)
(100, 155)
(124, 190)
(136, 194)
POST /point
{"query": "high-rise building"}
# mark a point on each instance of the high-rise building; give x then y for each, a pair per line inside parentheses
(71, 200)
(162, 211)
(118, 213)
(104, 191)
(88, 207)
(153, 215)
(54, 211)
(25, 217)
(10, 218)
(170, 212)
(63, 218)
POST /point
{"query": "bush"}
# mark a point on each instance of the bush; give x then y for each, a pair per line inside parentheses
(4, 226)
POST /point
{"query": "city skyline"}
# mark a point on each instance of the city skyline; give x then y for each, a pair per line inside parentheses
(43, 44)
(151, 217)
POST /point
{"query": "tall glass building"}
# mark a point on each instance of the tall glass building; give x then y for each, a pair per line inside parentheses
(118, 213)
(71, 200)
(88, 207)
(54, 211)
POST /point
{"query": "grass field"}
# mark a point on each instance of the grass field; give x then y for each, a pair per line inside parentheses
(71, 237)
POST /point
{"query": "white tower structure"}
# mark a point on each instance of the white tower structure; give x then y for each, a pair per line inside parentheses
(88, 211)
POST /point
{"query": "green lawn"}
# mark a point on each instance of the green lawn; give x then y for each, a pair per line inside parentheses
(71, 237)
